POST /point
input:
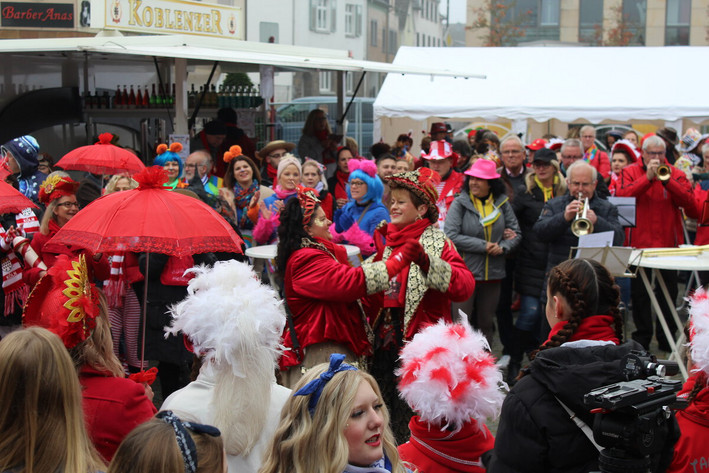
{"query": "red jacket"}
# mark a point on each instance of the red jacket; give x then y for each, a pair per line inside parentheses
(692, 448)
(434, 451)
(658, 218)
(602, 164)
(449, 191)
(435, 304)
(701, 196)
(48, 253)
(322, 296)
(112, 408)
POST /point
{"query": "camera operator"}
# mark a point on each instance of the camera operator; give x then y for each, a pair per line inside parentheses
(583, 352)
(692, 448)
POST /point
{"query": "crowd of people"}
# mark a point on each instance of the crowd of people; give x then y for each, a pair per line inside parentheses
(383, 364)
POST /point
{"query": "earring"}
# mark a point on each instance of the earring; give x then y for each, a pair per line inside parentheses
(418, 217)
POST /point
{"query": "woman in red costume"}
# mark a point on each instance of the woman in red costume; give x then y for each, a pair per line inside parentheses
(66, 303)
(322, 289)
(419, 295)
(58, 193)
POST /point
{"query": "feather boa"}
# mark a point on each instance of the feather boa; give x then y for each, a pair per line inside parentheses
(699, 330)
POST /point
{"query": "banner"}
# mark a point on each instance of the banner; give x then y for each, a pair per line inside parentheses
(36, 15)
(176, 17)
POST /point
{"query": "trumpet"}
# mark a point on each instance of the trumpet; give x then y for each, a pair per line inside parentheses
(663, 172)
(581, 224)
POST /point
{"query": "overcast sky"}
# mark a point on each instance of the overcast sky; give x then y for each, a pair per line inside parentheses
(457, 10)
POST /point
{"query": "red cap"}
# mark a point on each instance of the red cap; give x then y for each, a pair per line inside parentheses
(537, 144)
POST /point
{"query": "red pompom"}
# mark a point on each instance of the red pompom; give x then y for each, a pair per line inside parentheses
(162, 147)
(105, 138)
(176, 147)
(151, 177)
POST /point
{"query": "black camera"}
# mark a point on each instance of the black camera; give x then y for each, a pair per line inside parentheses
(633, 418)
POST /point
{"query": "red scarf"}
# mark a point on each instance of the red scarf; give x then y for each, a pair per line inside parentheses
(272, 172)
(341, 186)
(595, 327)
(337, 250)
(115, 287)
(16, 291)
(396, 237)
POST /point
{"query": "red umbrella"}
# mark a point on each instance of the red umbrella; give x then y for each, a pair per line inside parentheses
(12, 200)
(149, 218)
(102, 158)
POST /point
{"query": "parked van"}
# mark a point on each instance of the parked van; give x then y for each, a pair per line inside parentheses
(290, 118)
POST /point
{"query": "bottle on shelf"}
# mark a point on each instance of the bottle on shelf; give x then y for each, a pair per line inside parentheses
(145, 100)
(153, 98)
(131, 98)
(105, 100)
(117, 98)
(124, 97)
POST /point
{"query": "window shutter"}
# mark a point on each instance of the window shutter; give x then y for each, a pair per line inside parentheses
(313, 15)
(358, 21)
(333, 16)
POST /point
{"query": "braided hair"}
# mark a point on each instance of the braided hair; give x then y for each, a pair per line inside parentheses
(290, 233)
(589, 290)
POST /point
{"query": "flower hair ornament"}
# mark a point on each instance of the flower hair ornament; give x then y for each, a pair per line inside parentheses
(64, 301)
(233, 152)
(699, 330)
(449, 377)
(56, 186)
(364, 165)
(186, 444)
(315, 387)
(320, 166)
(308, 199)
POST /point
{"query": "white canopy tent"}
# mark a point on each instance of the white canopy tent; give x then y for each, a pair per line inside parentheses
(545, 83)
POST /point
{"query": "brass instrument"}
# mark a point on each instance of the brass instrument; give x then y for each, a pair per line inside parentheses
(581, 224)
(663, 172)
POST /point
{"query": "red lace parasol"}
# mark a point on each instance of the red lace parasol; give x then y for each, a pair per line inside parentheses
(12, 201)
(149, 218)
(102, 158)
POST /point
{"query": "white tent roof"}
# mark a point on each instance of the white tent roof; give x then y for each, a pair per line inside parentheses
(543, 83)
(201, 49)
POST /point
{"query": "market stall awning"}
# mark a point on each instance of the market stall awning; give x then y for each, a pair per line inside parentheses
(203, 50)
(544, 83)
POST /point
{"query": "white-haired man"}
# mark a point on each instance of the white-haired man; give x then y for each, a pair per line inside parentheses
(592, 155)
(658, 223)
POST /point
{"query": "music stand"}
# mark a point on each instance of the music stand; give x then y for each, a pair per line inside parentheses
(617, 259)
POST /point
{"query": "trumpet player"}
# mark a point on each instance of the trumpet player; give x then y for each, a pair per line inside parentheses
(660, 190)
(554, 226)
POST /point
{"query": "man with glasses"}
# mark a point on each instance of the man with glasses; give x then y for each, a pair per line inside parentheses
(199, 164)
(554, 224)
(571, 152)
(658, 223)
(594, 156)
(270, 155)
(513, 169)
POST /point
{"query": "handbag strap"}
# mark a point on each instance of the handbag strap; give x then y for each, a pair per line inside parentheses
(580, 424)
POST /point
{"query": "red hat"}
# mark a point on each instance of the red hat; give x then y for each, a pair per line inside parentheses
(555, 144)
(629, 147)
(537, 144)
(438, 127)
(483, 169)
(64, 302)
(56, 186)
(440, 150)
(472, 133)
(422, 182)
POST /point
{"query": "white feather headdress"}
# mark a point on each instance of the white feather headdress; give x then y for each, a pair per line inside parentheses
(448, 376)
(229, 316)
(699, 331)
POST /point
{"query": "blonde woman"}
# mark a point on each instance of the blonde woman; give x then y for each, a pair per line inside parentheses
(40, 407)
(335, 422)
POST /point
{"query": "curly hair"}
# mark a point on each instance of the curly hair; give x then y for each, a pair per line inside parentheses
(290, 233)
(316, 444)
(589, 289)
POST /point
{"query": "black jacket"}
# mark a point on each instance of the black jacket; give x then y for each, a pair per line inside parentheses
(535, 434)
(531, 255)
(553, 229)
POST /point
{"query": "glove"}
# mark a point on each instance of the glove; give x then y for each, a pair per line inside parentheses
(418, 254)
(403, 257)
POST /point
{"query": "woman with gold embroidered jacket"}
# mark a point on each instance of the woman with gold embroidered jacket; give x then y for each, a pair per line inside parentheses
(322, 288)
(420, 294)
(484, 228)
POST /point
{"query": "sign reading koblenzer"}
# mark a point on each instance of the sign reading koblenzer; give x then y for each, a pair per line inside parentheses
(177, 17)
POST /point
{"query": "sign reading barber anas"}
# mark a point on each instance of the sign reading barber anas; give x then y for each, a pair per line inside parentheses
(36, 15)
(175, 16)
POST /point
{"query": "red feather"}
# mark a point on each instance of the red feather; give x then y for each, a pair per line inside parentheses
(152, 177)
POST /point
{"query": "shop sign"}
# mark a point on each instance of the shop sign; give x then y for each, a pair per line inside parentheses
(175, 16)
(36, 15)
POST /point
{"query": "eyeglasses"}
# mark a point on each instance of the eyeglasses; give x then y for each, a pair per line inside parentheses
(357, 183)
(276, 155)
(68, 205)
(514, 151)
(654, 153)
(574, 158)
